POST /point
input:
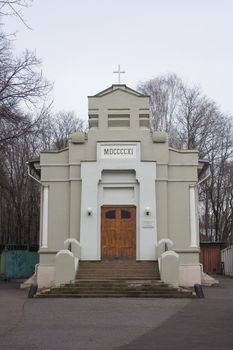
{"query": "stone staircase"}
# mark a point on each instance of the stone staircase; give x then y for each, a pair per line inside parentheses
(116, 278)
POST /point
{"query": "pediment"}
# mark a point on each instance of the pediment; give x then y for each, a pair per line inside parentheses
(119, 88)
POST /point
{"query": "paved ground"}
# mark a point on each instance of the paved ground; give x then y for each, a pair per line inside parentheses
(123, 324)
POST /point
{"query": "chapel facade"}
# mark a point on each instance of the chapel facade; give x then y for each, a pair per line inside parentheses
(119, 191)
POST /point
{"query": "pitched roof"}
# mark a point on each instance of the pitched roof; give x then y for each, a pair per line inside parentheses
(121, 87)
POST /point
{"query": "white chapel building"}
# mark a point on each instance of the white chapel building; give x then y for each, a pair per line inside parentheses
(119, 191)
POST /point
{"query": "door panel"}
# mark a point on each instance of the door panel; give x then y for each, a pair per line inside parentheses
(118, 231)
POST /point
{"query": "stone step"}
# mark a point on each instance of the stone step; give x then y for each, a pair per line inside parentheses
(123, 280)
(115, 276)
(114, 290)
(126, 272)
(83, 271)
(111, 285)
(116, 279)
(109, 290)
(118, 264)
(118, 261)
(117, 269)
(116, 283)
(114, 287)
(117, 295)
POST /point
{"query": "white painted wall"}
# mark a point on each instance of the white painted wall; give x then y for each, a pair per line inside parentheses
(118, 182)
(118, 195)
(193, 217)
(146, 176)
(227, 258)
(189, 274)
(45, 212)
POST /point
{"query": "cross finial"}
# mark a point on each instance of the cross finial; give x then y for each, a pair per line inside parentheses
(119, 72)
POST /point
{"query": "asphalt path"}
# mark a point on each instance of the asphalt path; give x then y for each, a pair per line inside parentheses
(123, 324)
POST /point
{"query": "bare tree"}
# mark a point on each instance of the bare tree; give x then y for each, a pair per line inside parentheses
(11, 7)
(219, 189)
(27, 126)
(65, 123)
(164, 94)
(22, 90)
(20, 195)
(193, 121)
(198, 119)
(14, 8)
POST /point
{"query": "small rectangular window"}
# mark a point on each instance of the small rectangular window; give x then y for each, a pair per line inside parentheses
(111, 214)
(125, 214)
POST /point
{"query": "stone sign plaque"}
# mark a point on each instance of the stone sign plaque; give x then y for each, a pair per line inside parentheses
(118, 151)
(148, 224)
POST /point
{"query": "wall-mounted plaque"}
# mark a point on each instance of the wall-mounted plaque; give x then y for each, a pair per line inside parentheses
(148, 224)
(122, 151)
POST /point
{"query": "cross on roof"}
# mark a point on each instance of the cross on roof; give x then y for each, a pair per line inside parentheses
(119, 72)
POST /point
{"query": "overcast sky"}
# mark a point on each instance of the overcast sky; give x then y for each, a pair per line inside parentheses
(82, 42)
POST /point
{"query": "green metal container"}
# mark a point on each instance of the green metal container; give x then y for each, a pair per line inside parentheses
(19, 263)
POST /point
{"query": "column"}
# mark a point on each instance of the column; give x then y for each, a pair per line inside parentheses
(45, 210)
(193, 216)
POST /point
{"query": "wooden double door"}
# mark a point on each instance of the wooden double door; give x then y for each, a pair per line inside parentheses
(118, 231)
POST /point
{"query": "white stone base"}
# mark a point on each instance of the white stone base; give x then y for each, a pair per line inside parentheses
(189, 275)
(209, 281)
(27, 284)
(45, 276)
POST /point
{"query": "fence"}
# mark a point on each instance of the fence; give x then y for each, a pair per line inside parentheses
(227, 259)
(18, 261)
(210, 257)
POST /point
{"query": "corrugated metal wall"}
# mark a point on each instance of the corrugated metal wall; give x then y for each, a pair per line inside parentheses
(18, 263)
(210, 257)
(227, 259)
